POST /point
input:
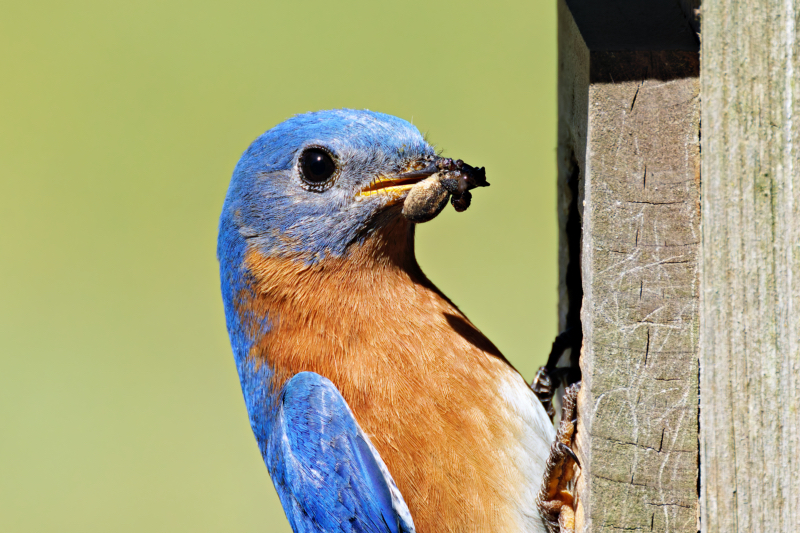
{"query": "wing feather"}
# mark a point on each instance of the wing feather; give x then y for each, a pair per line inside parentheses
(328, 475)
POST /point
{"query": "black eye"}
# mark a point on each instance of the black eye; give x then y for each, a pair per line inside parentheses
(317, 166)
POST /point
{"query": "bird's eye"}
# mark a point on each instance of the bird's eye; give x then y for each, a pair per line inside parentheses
(317, 166)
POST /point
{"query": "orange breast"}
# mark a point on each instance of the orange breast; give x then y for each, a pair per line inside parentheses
(421, 380)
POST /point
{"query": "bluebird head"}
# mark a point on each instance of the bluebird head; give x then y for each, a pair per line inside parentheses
(317, 183)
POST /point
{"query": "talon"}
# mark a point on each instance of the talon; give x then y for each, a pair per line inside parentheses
(567, 450)
(555, 502)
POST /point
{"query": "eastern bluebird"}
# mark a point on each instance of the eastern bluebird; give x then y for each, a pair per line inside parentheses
(377, 405)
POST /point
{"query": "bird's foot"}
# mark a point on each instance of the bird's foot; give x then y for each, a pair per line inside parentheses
(544, 386)
(551, 376)
(555, 501)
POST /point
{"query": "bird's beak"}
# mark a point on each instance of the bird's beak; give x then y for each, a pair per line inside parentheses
(399, 183)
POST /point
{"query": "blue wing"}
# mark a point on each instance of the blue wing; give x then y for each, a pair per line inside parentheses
(328, 475)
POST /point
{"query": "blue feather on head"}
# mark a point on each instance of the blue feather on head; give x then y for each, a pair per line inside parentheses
(269, 201)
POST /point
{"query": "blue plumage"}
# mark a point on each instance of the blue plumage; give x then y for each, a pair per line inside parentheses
(304, 222)
(328, 476)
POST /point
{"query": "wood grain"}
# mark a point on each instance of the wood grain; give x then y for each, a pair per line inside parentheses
(750, 356)
(629, 113)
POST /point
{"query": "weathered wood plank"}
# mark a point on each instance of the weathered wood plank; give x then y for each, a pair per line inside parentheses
(750, 356)
(629, 130)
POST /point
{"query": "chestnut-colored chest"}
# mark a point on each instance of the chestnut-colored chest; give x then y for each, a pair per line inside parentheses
(421, 380)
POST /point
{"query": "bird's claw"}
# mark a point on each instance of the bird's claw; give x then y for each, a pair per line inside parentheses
(555, 501)
(550, 376)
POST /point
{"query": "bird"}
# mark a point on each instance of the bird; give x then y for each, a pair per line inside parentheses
(376, 404)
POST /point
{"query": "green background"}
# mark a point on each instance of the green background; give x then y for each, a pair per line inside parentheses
(120, 124)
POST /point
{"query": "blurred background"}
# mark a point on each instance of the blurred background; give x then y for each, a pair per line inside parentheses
(120, 124)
